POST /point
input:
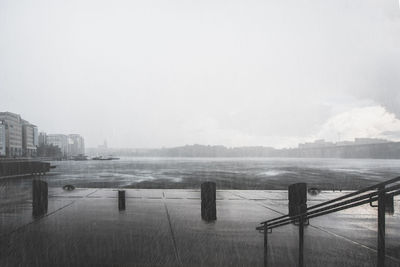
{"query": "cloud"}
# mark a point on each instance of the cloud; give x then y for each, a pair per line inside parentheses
(369, 122)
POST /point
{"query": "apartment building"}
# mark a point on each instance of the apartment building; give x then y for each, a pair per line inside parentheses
(13, 133)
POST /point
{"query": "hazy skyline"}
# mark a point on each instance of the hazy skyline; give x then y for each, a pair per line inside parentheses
(170, 73)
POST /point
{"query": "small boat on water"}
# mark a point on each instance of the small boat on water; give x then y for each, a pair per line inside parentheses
(80, 157)
(105, 158)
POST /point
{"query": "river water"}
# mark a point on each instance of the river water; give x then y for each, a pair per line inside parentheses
(228, 173)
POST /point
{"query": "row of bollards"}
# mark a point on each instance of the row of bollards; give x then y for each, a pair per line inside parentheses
(297, 199)
(40, 198)
(208, 200)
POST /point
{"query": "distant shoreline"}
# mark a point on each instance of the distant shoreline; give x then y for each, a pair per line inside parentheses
(388, 150)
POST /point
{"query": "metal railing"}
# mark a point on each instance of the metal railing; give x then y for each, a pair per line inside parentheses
(381, 192)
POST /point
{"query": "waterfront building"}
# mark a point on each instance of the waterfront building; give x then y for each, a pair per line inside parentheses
(60, 140)
(103, 146)
(30, 139)
(42, 138)
(344, 143)
(316, 144)
(357, 141)
(368, 141)
(13, 133)
(76, 145)
(102, 149)
(2, 139)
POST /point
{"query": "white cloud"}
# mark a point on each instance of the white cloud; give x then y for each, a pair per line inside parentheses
(371, 122)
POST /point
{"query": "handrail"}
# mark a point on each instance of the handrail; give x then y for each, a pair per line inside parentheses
(372, 187)
(351, 200)
(356, 204)
(306, 215)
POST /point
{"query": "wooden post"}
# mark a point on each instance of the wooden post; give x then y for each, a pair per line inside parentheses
(297, 199)
(265, 245)
(301, 242)
(39, 198)
(298, 205)
(381, 228)
(121, 199)
(208, 201)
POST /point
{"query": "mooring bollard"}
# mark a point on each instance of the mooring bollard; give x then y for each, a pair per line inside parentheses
(208, 201)
(121, 199)
(39, 198)
(297, 199)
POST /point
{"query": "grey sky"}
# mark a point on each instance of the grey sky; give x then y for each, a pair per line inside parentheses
(166, 73)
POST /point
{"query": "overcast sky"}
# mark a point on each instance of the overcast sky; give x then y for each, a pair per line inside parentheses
(237, 73)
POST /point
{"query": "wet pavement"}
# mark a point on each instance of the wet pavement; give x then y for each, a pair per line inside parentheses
(163, 227)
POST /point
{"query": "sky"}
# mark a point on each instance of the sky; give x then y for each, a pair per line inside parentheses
(156, 73)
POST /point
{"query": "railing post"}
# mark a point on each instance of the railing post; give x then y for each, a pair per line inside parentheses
(381, 227)
(265, 245)
(301, 242)
(298, 205)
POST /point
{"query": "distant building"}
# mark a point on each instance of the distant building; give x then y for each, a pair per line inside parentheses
(2, 139)
(345, 143)
(71, 145)
(20, 138)
(357, 141)
(368, 141)
(104, 145)
(316, 144)
(102, 149)
(13, 133)
(76, 145)
(30, 139)
(60, 140)
(42, 138)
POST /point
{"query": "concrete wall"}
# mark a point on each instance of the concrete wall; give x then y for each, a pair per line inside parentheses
(11, 167)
